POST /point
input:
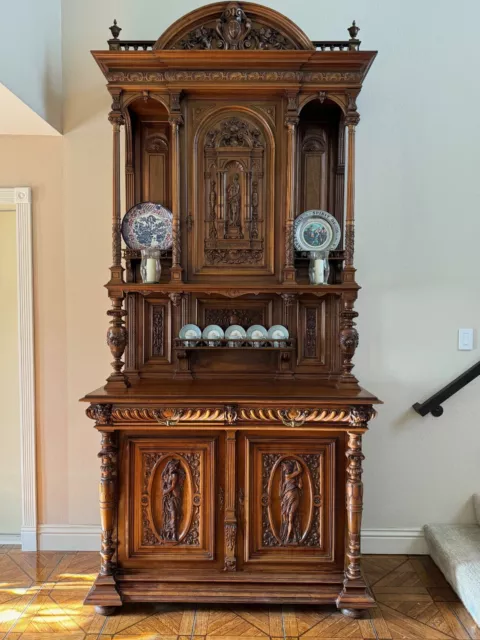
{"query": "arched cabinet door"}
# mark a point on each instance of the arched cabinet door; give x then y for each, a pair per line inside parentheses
(232, 193)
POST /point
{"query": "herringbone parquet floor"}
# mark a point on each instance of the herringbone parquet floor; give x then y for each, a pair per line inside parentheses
(41, 598)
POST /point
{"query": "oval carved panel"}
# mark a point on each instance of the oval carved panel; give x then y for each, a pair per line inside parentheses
(172, 499)
(290, 500)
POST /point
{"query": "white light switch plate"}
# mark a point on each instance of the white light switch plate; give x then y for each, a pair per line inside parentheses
(465, 339)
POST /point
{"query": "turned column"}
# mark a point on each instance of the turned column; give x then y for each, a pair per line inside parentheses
(355, 595)
(117, 332)
(104, 592)
(291, 122)
(175, 121)
(352, 118)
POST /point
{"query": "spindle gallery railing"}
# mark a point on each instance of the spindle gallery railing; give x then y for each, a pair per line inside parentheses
(433, 404)
(115, 44)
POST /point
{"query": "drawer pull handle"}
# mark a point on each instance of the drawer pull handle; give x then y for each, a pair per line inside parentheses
(294, 417)
(168, 417)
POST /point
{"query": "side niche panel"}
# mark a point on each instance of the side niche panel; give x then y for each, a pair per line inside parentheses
(233, 191)
(172, 514)
(155, 319)
(290, 493)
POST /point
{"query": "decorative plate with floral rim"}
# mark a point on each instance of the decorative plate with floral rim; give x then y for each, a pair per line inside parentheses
(148, 225)
(316, 230)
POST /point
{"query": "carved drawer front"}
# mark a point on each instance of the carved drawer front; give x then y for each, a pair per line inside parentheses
(289, 489)
(172, 511)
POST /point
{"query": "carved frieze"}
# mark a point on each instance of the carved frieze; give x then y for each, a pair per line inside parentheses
(226, 317)
(331, 77)
(217, 415)
(233, 256)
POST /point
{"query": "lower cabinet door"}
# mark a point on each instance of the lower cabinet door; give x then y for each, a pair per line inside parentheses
(167, 500)
(294, 500)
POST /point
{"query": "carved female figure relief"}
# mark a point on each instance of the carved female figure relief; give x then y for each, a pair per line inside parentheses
(234, 229)
(290, 494)
(213, 207)
(173, 478)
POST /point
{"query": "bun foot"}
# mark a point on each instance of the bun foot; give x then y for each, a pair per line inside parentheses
(106, 611)
(352, 613)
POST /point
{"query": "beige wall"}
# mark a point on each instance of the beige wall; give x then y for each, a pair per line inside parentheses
(37, 162)
(10, 478)
(417, 237)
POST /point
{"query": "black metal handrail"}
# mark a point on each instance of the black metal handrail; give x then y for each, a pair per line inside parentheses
(433, 404)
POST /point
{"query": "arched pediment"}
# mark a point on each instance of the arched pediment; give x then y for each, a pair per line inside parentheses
(234, 25)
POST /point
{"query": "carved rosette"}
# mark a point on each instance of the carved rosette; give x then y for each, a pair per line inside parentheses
(107, 493)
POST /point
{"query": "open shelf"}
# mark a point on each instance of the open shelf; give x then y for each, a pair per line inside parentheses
(235, 344)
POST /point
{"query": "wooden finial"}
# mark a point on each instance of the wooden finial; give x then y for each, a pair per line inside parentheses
(353, 30)
(115, 29)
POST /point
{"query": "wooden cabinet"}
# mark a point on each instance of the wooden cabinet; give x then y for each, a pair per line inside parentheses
(233, 474)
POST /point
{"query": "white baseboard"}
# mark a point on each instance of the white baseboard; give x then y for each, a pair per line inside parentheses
(87, 538)
(28, 537)
(394, 541)
(69, 537)
(10, 538)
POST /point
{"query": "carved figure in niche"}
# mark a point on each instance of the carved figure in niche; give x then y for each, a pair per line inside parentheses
(213, 205)
(173, 478)
(234, 229)
(254, 221)
(290, 494)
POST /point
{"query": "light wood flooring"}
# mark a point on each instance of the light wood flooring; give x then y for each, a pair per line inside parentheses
(41, 598)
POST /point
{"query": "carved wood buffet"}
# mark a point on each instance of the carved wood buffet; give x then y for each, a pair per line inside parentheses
(233, 475)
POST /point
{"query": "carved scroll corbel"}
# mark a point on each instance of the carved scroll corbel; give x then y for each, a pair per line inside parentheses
(168, 417)
(294, 417)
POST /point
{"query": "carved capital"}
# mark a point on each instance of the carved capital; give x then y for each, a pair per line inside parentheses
(101, 413)
(291, 123)
(116, 119)
(361, 416)
(175, 120)
(175, 298)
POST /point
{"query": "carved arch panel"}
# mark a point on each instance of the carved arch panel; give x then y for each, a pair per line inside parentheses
(234, 26)
(233, 184)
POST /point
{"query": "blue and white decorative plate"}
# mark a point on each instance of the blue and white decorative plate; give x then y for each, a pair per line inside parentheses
(257, 333)
(148, 225)
(316, 230)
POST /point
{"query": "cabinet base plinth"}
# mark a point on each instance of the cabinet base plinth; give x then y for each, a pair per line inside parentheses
(354, 599)
(226, 587)
(104, 595)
